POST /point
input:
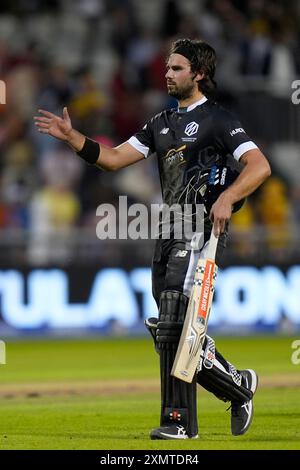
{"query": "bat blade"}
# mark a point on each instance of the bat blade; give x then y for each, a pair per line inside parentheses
(196, 319)
(2, 353)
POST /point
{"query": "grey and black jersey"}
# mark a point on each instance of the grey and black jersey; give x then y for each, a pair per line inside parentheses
(188, 141)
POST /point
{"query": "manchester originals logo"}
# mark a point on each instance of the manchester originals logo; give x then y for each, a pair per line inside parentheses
(191, 128)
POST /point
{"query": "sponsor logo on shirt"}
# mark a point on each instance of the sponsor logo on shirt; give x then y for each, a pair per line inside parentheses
(175, 156)
(188, 139)
(236, 131)
(165, 130)
(191, 128)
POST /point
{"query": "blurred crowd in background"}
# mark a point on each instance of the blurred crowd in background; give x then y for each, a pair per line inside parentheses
(105, 61)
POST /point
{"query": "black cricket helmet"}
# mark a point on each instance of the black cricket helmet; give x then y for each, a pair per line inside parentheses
(213, 182)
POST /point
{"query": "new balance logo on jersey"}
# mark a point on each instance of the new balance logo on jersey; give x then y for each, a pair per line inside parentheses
(236, 131)
(165, 130)
(191, 128)
(181, 254)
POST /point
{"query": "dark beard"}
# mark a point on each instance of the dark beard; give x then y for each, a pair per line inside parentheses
(182, 94)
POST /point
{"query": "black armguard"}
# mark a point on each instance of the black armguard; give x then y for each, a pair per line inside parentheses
(90, 151)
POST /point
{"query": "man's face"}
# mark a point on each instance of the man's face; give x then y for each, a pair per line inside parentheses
(181, 81)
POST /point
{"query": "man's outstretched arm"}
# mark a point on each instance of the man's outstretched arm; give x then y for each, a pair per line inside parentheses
(108, 158)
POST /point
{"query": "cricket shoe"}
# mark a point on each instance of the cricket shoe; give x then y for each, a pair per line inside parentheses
(173, 431)
(242, 413)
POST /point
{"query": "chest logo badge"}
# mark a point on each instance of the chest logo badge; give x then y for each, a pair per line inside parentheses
(191, 128)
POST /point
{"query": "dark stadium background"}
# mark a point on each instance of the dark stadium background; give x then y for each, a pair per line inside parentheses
(105, 60)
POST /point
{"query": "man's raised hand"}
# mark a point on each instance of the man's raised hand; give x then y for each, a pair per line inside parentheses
(54, 125)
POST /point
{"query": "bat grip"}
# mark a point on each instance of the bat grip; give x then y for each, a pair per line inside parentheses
(212, 246)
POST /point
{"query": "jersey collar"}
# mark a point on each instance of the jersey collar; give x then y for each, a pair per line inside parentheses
(192, 106)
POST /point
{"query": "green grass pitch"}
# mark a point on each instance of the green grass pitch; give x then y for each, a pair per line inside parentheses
(104, 394)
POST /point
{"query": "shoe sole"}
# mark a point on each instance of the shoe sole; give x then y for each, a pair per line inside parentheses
(163, 436)
(253, 389)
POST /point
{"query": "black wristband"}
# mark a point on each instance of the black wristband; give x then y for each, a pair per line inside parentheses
(90, 151)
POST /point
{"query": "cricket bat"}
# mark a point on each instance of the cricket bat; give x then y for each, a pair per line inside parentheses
(197, 314)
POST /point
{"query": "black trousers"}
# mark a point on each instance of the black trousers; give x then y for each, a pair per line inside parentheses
(173, 265)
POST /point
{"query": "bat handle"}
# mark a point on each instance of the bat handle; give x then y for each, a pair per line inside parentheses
(212, 245)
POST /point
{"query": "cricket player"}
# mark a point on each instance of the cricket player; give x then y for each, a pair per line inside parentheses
(194, 144)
